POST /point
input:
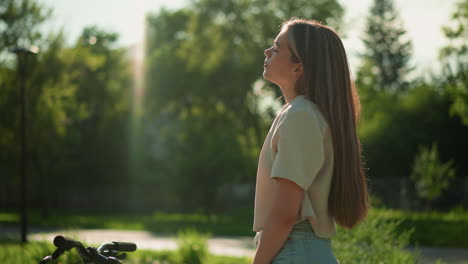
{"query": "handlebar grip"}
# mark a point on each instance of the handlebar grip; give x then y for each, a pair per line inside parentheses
(66, 242)
(125, 246)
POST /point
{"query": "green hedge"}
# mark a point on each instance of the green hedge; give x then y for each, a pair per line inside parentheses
(429, 229)
(435, 229)
(233, 224)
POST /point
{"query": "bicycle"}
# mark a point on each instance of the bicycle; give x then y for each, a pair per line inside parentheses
(107, 253)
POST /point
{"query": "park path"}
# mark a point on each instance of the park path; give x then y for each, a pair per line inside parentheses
(231, 246)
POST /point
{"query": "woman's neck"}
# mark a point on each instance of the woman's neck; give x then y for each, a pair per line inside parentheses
(289, 94)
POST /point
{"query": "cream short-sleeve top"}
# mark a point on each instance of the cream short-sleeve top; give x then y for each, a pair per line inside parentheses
(299, 148)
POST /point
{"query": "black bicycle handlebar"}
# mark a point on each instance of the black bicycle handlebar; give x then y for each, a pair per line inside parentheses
(118, 246)
(106, 253)
(124, 246)
(66, 242)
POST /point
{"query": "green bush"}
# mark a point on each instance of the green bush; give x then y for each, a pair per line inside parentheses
(193, 247)
(437, 229)
(152, 257)
(33, 252)
(430, 175)
(374, 241)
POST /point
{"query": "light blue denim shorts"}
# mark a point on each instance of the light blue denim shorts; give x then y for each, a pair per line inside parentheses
(304, 247)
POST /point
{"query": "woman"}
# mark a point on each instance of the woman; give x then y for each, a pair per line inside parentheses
(310, 173)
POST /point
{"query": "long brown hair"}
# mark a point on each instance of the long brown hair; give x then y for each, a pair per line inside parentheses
(326, 81)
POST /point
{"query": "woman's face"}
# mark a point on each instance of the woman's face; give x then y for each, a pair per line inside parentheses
(278, 67)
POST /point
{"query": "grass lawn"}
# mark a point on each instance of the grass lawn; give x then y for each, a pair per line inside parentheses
(430, 229)
(12, 253)
(374, 241)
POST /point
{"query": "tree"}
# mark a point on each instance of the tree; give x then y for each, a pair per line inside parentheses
(393, 128)
(388, 51)
(20, 22)
(98, 142)
(394, 124)
(78, 109)
(197, 141)
(54, 109)
(454, 59)
(430, 175)
(202, 113)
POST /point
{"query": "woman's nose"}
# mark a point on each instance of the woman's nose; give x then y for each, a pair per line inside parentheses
(267, 52)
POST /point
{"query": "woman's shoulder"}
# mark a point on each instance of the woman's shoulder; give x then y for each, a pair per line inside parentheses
(302, 110)
(301, 106)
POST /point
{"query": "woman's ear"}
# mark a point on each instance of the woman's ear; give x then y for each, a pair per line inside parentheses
(298, 70)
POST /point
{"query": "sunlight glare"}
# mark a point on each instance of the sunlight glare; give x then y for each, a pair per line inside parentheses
(137, 56)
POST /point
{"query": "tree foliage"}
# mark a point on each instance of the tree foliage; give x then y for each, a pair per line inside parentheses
(454, 58)
(77, 105)
(388, 50)
(20, 22)
(431, 176)
(202, 63)
(393, 128)
(203, 116)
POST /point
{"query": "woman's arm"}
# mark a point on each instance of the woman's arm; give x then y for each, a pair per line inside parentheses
(286, 202)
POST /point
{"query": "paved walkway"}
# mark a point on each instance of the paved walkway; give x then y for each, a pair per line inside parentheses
(233, 246)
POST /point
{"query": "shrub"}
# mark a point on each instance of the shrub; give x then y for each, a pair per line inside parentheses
(193, 247)
(373, 241)
(430, 175)
(32, 252)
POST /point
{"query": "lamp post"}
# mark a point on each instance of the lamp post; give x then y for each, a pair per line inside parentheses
(22, 56)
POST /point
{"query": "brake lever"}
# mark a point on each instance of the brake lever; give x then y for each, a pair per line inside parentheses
(46, 260)
(121, 256)
(112, 260)
(114, 253)
(102, 258)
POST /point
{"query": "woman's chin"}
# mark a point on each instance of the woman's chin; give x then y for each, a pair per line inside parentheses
(265, 75)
